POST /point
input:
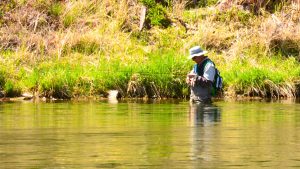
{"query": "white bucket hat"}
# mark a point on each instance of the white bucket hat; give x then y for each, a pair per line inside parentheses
(196, 51)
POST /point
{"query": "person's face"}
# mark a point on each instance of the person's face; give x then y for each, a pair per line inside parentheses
(197, 59)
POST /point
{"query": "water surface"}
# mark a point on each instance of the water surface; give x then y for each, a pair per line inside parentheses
(165, 134)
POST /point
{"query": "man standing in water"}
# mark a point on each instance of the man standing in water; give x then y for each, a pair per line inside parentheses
(201, 78)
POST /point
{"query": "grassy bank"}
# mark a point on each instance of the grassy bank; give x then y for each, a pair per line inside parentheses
(67, 49)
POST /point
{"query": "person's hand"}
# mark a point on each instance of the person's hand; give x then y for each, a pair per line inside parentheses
(187, 80)
(191, 79)
(192, 75)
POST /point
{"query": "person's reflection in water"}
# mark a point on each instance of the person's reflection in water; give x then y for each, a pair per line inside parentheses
(204, 132)
(204, 114)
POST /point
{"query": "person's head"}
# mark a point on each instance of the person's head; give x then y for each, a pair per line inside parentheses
(197, 54)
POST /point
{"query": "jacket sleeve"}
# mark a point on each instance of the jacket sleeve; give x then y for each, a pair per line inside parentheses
(202, 81)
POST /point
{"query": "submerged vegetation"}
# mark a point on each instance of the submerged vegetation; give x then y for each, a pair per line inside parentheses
(67, 49)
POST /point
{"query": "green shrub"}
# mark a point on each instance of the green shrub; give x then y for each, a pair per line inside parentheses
(56, 9)
(142, 37)
(156, 14)
(2, 79)
(58, 80)
(69, 19)
(12, 89)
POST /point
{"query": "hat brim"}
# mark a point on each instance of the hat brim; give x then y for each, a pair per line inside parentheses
(197, 54)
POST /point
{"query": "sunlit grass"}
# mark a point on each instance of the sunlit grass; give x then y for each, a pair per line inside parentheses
(263, 76)
(85, 48)
(161, 74)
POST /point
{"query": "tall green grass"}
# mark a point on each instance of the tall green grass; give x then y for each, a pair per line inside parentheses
(10, 81)
(265, 76)
(161, 73)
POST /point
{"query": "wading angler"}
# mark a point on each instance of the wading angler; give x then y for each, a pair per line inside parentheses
(204, 79)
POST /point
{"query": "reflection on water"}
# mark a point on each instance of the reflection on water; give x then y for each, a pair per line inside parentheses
(204, 114)
(156, 134)
(203, 118)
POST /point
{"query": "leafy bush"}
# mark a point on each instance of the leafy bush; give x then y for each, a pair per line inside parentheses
(12, 89)
(156, 14)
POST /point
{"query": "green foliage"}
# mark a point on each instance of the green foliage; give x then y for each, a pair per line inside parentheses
(57, 80)
(200, 3)
(9, 79)
(69, 19)
(234, 15)
(142, 37)
(156, 14)
(171, 38)
(72, 15)
(85, 47)
(76, 11)
(205, 3)
(191, 16)
(243, 75)
(276, 5)
(2, 79)
(12, 89)
(63, 64)
(31, 79)
(164, 72)
(56, 9)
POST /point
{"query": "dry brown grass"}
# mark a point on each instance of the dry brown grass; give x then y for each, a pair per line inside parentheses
(281, 32)
(284, 90)
(30, 24)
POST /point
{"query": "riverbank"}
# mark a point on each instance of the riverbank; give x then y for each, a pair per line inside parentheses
(30, 99)
(65, 50)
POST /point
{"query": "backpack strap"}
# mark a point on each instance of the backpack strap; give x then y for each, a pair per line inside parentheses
(199, 68)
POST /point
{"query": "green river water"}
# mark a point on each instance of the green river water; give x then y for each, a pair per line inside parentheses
(158, 134)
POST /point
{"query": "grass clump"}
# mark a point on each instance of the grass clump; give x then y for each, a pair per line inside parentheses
(155, 76)
(164, 75)
(56, 9)
(10, 83)
(12, 89)
(2, 79)
(264, 76)
(85, 47)
(236, 15)
(156, 14)
(74, 12)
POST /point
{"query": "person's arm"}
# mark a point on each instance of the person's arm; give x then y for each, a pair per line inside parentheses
(202, 81)
(208, 75)
(193, 79)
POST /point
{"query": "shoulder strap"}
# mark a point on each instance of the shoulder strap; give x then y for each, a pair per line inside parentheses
(199, 68)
